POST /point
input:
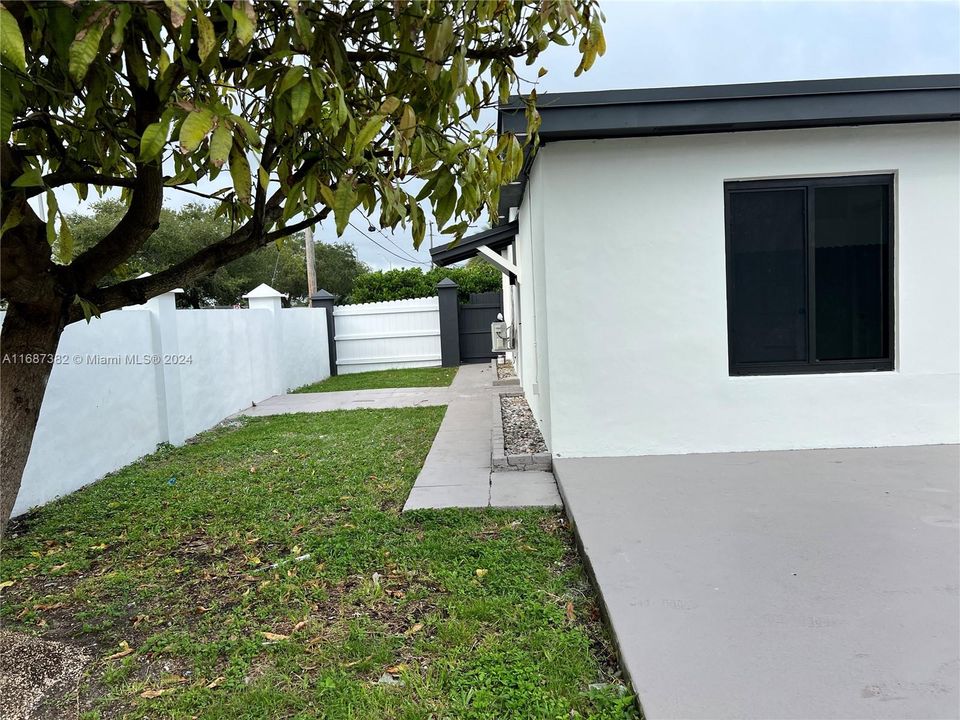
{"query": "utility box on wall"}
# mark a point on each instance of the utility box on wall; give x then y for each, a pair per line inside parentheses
(502, 337)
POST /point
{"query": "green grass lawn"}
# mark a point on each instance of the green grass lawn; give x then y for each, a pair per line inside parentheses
(407, 377)
(265, 571)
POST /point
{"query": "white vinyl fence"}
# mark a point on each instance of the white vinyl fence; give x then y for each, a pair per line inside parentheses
(136, 378)
(385, 335)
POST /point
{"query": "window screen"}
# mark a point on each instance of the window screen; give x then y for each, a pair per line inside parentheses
(809, 283)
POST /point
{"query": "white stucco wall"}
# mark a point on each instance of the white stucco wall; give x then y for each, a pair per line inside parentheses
(95, 417)
(628, 264)
(98, 417)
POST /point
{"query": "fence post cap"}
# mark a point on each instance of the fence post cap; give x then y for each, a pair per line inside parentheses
(264, 291)
(322, 295)
(446, 283)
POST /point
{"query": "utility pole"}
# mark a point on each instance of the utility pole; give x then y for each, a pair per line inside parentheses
(311, 266)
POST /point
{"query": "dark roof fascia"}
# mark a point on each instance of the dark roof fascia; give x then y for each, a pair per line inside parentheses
(733, 108)
(729, 108)
(495, 238)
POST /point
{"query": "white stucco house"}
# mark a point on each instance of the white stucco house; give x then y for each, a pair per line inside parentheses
(735, 268)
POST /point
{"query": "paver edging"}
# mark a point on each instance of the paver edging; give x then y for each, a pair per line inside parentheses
(502, 382)
(499, 460)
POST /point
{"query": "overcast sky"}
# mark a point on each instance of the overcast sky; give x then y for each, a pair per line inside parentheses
(663, 44)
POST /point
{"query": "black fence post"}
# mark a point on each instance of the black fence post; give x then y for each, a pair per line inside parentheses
(323, 299)
(449, 323)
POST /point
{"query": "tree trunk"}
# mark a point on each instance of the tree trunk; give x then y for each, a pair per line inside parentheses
(28, 343)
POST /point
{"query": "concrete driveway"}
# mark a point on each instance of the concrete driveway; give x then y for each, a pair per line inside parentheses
(801, 584)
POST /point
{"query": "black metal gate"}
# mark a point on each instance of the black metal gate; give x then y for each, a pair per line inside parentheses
(475, 317)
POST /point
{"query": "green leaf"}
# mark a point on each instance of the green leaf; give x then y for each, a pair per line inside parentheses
(7, 103)
(119, 25)
(195, 129)
(83, 49)
(31, 178)
(153, 140)
(300, 100)
(253, 140)
(207, 37)
(11, 41)
(439, 37)
(65, 246)
(13, 219)
(326, 194)
(89, 309)
(366, 135)
(240, 173)
(344, 202)
(389, 106)
(246, 20)
(220, 143)
(443, 209)
(178, 11)
(52, 210)
(290, 79)
(408, 122)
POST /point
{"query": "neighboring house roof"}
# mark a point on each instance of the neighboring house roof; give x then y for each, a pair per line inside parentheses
(728, 108)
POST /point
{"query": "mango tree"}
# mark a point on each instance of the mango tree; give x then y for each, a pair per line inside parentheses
(281, 112)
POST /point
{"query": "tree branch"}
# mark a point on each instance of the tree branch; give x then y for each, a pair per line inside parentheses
(298, 226)
(137, 224)
(65, 177)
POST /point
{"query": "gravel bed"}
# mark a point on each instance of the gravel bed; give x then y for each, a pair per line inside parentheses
(505, 370)
(521, 436)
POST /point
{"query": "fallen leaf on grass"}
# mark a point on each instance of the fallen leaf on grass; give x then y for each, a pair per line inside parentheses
(215, 682)
(480, 572)
(49, 606)
(415, 628)
(299, 625)
(357, 662)
(6, 584)
(274, 637)
(155, 693)
(397, 669)
(101, 546)
(570, 614)
(125, 650)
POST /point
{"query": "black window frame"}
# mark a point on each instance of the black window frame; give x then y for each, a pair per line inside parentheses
(811, 364)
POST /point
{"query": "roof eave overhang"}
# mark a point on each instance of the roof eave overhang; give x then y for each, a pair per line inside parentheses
(496, 239)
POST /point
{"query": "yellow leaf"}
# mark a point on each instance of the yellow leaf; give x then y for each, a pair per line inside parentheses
(216, 681)
(154, 693)
(397, 669)
(102, 546)
(480, 572)
(6, 584)
(413, 629)
(124, 651)
(273, 637)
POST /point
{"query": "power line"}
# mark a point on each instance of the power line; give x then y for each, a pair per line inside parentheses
(386, 249)
(390, 240)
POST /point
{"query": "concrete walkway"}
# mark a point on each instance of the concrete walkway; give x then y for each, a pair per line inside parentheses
(351, 400)
(803, 584)
(457, 473)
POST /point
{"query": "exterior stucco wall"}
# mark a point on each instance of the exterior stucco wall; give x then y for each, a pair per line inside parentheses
(628, 283)
(533, 367)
